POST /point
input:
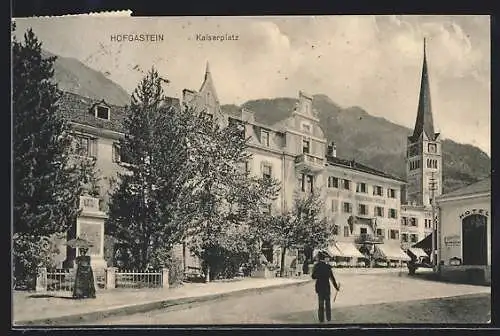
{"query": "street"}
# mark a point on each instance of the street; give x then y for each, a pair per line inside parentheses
(364, 298)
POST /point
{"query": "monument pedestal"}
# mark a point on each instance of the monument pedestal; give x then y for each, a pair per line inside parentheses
(90, 226)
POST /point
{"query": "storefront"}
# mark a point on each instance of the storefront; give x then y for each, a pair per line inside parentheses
(391, 254)
(352, 256)
(464, 233)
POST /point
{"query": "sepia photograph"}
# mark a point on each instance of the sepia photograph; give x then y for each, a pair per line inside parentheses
(251, 170)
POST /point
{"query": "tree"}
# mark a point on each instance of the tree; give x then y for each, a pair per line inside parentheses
(303, 226)
(228, 197)
(48, 180)
(151, 205)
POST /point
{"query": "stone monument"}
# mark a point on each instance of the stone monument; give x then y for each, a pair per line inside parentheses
(90, 226)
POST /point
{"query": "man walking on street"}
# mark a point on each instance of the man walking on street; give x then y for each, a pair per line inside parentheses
(323, 274)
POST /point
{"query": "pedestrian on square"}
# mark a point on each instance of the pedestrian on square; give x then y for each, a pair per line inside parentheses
(322, 273)
(305, 266)
(84, 279)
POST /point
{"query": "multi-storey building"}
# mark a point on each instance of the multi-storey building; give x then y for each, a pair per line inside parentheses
(363, 202)
(423, 169)
(372, 210)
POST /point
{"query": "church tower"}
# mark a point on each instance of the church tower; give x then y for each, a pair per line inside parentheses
(424, 152)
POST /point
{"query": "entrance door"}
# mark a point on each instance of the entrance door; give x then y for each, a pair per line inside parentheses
(474, 240)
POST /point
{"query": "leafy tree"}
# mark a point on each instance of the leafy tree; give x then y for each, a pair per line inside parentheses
(228, 197)
(303, 226)
(48, 180)
(150, 207)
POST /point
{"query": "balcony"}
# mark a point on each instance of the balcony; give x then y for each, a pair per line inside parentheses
(310, 162)
(366, 238)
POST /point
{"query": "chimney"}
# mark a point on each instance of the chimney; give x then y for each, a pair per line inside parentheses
(331, 150)
(247, 115)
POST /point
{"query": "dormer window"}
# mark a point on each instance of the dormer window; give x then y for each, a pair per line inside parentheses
(264, 138)
(102, 112)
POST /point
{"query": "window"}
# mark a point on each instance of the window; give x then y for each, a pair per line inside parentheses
(264, 138)
(306, 182)
(333, 182)
(378, 211)
(404, 221)
(380, 233)
(414, 164)
(267, 171)
(377, 190)
(346, 231)
(362, 209)
(247, 166)
(306, 128)
(432, 148)
(404, 237)
(102, 112)
(347, 207)
(347, 185)
(414, 238)
(391, 193)
(305, 146)
(84, 146)
(413, 221)
(393, 213)
(394, 234)
(116, 153)
(310, 182)
(363, 231)
(335, 205)
(361, 187)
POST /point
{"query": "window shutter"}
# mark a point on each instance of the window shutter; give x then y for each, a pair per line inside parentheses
(114, 153)
(93, 147)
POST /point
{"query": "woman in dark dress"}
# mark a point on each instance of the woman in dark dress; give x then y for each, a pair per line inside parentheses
(84, 280)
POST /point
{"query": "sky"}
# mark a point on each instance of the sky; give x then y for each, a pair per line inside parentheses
(373, 62)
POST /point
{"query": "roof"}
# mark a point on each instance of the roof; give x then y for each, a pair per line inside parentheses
(353, 165)
(424, 122)
(79, 109)
(483, 186)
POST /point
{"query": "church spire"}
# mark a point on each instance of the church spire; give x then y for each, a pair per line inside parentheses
(207, 70)
(424, 122)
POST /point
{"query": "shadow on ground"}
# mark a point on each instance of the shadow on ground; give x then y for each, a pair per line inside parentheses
(455, 310)
(45, 296)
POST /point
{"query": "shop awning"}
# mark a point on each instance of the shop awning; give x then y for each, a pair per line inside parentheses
(349, 250)
(392, 252)
(418, 252)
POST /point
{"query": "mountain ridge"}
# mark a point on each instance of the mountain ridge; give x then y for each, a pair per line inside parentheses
(371, 140)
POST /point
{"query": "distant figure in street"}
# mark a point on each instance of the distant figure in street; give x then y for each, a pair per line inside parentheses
(322, 273)
(305, 266)
(84, 279)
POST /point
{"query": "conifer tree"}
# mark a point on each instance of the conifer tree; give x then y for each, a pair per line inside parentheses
(47, 179)
(150, 207)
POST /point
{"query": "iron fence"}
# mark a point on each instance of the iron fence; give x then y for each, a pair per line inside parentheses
(60, 280)
(137, 279)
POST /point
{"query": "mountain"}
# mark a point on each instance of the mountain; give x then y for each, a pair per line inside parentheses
(373, 140)
(358, 135)
(73, 76)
